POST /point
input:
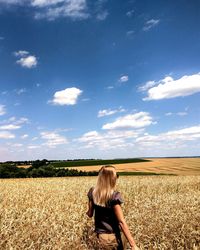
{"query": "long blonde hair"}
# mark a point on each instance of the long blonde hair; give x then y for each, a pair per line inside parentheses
(104, 188)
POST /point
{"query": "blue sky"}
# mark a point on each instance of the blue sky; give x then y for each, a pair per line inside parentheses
(99, 79)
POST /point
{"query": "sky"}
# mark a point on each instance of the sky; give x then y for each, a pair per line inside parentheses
(99, 79)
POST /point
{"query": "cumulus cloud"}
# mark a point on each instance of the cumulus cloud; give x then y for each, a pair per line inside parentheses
(53, 9)
(137, 120)
(147, 86)
(21, 53)
(181, 136)
(9, 127)
(123, 78)
(107, 112)
(150, 24)
(170, 88)
(74, 9)
(108, 140)
(13, 123)
(42, 3)
(2, 110)
(6, 135)
(53, 139)
(67, 96)
(28, 62)
(25, 59)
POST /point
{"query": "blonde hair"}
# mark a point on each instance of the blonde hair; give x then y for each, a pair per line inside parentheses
(104, 188)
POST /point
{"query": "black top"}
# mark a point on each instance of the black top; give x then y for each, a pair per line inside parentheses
(105, 219)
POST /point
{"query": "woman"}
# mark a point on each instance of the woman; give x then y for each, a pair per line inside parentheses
(109, 219)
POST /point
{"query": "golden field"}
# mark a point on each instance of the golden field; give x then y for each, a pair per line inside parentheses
(161, 211)
(178, 166)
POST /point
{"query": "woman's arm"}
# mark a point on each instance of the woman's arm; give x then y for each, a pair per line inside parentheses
(124, 227)
(90, 209)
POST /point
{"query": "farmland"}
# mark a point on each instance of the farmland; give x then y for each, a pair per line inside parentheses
(177, 166)
(49, 213)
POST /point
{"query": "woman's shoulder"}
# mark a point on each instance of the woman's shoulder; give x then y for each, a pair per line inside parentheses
(116, 198)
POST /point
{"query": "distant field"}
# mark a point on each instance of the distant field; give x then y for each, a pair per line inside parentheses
(174, 166)
(76, 163)
(178, 166)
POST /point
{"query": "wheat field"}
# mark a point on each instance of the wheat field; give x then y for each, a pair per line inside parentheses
(177, 166)
(161, 211)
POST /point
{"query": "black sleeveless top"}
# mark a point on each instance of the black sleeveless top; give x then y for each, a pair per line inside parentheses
(104, 217)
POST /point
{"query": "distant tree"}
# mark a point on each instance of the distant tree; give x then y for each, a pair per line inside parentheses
(9, 171)
(38, 163)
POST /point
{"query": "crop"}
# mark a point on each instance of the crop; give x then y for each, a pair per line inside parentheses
(49, 213)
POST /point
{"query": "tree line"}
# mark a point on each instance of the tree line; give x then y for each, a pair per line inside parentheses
(39, 169)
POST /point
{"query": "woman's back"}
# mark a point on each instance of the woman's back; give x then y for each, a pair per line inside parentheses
(105, 203)
(105, 219)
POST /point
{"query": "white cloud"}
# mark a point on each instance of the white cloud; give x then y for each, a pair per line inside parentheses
(102, 15)
(147, 86)
(168, 113)
(20, 121)
(20, 91)
(130, 13)
(21, 53)
(34, 138)
(53, 9)
(108, 140)
(170, 88)
(85, 100)
(28, 62)
(24, 136)
(42, 3)
(110, 87)
(173, 137)
(53, 139)
(11, 1)
(17, 145)
(12, 123)
(74, 9)
(6, 135)
(183, 113)
(150, 24)
(2, 110)
(107, 112)
(123, 78)
(137, 120)
(9, 127)
(67, 96)
(130, 33)
(25, 59)
(33, 146)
